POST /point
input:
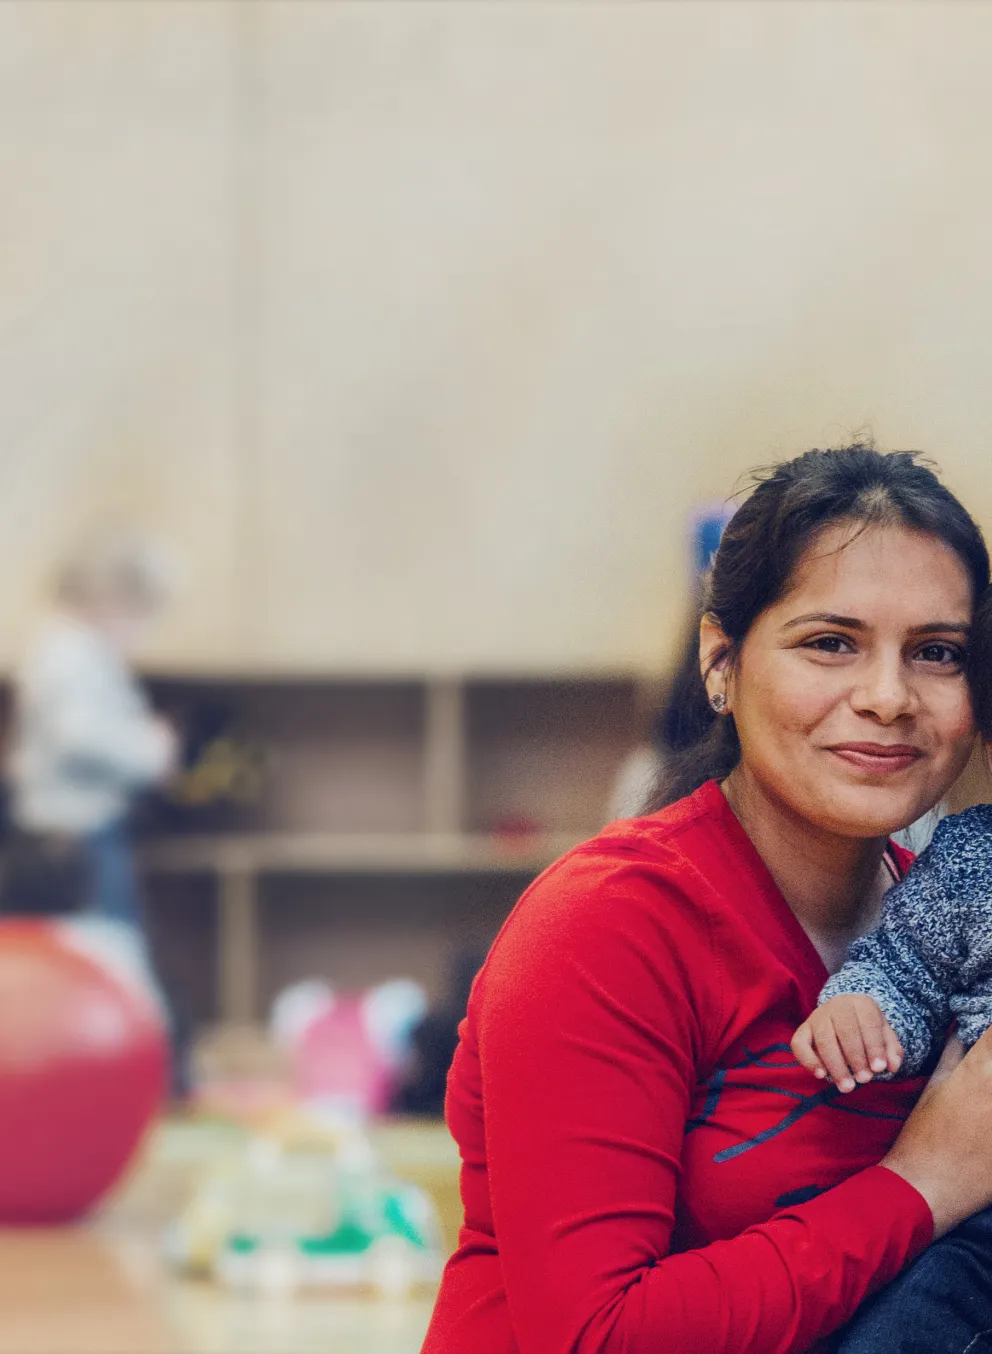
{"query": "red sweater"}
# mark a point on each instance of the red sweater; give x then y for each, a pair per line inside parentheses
(645, 1168)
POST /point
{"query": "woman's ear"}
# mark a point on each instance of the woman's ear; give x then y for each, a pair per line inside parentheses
(714, 659)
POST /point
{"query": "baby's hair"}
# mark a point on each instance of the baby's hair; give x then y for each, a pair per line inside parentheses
(980, 665)
(121, 568)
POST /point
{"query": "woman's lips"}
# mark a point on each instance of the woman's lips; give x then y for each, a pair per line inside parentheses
(884, 758)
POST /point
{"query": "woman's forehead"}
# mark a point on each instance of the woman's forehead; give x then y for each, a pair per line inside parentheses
(880, 570)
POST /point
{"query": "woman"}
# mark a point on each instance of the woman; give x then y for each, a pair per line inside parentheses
(645, 1166)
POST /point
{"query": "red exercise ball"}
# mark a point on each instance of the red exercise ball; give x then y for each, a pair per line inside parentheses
(83, 1070)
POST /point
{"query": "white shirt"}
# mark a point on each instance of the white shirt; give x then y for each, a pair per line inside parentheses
(84, 737)
(635, 783)
(916, 837)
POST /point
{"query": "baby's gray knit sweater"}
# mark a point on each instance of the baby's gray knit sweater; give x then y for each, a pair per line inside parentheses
(930, 961)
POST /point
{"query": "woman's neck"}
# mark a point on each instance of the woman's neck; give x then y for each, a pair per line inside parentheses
(833, 884)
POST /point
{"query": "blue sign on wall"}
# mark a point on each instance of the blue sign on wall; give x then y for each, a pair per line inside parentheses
(708, 523)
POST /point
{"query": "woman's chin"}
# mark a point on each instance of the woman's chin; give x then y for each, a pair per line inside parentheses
(873, 811)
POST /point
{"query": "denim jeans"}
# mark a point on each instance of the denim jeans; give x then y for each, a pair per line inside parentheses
(115, 892)
(941, 1304)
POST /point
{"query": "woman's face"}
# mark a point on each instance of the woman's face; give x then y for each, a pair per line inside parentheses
(849, 694)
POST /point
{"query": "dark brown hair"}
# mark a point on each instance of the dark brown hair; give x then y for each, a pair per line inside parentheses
(764, 541)
(980, 665)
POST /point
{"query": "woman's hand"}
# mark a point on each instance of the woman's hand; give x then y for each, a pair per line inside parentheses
(945, 1147)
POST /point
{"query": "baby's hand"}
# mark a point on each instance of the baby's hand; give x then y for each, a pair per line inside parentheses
(847, 1039)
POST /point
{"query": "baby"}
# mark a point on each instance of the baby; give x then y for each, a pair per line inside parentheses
(930, 960)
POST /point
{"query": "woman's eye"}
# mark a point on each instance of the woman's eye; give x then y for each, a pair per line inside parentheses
(946, 655)
(829, 644)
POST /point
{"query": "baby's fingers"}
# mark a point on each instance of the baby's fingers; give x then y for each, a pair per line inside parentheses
(849, 1025)
(833, 1056)
(874, 1028)
(805, 1054)
(894, 1051)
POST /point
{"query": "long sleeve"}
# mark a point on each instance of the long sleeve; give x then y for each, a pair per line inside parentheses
(594, 1020)
(933, 939)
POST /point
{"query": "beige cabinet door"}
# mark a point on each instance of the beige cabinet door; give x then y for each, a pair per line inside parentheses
(422, 327)
(540, 278)
(457, 466)
(117, 302)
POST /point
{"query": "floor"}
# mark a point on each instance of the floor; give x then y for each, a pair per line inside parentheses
(102, 1289)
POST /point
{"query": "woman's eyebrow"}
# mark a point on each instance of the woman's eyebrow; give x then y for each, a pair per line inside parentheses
(937, 627)
(846, 622)
(853, 623)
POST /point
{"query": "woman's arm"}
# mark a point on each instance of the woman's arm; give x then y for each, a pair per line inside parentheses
(589, 1045)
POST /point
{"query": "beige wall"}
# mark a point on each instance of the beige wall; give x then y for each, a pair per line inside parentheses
(422, 326)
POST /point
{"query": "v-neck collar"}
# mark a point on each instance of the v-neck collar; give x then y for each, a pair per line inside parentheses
(785, 933)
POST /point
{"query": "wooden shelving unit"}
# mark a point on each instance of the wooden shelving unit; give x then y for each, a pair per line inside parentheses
(415, 788)
(356, 852)
(238, 862)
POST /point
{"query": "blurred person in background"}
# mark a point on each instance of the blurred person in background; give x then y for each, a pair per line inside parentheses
(673, 729)
(85, 741)
(675, 725)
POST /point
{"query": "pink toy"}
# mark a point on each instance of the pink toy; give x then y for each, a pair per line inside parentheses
(338, 1063)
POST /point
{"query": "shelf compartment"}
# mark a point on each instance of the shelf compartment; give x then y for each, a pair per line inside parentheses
(547, 753)
(373, 852)
(341, 756)
(356, 931)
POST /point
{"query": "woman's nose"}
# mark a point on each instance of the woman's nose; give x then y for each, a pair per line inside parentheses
(885, 690)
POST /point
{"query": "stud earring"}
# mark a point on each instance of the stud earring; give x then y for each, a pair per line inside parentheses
(718, 703)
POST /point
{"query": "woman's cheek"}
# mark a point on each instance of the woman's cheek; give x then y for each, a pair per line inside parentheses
(784, 730)
(802, 697)
(954, 717)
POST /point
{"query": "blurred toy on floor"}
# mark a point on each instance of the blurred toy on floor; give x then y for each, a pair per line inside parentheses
(50, 876)
(348, 1050)
(83, 1065)
(342, 1053)
(306, 1203)
(239, 1074)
